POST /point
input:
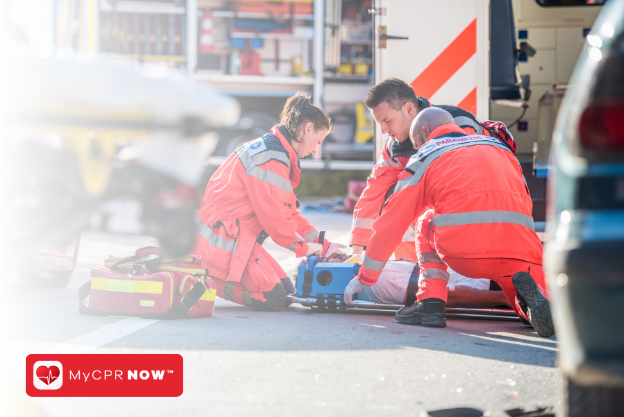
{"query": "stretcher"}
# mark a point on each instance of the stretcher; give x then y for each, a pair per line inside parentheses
(323, 285)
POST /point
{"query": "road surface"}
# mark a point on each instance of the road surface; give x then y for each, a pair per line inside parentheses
(241, 362)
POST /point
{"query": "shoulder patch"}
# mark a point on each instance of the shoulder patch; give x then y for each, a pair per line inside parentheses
(256, 146)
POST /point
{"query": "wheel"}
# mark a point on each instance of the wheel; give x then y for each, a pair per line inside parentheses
(582, 401)
(47, 279)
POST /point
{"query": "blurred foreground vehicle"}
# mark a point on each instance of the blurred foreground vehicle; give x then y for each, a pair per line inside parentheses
(584, 251)
(76, 134)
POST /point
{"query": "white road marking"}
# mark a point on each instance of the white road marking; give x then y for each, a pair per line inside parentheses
(100, 337)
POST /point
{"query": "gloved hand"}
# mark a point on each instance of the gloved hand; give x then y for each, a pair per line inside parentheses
(314, 249)
(335, 248)
(354, 287)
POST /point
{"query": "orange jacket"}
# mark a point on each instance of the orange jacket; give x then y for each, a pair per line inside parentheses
(481, 204)
(386, 172)
(250, 193)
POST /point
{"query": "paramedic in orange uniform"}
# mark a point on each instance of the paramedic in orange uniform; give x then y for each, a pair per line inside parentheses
(480, 223)
(250, 197)
(394, 106)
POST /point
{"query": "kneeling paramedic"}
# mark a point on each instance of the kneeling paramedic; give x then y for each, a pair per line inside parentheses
(480, 223)
(251, 197)
(394, 106)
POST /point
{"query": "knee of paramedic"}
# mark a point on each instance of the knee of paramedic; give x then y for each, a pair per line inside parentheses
(501, 271)
(272, 300)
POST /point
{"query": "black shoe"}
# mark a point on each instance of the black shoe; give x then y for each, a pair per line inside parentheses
(430, 312)
(537, 306)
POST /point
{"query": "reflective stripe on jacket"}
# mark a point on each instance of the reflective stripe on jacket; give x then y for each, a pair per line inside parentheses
(391, 163)
(251, 193)
(481, 205)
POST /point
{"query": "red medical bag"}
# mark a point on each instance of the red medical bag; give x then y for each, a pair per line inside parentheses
(149, 286)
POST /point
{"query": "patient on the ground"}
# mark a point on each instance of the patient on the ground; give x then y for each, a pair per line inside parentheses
(394, 282)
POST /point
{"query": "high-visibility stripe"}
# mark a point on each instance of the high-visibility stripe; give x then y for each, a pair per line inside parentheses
(372, 264)
(387, 162)
(209, 295)
(147, 303)
(311, 236)
(266, 156)
(293, 245)
(480, 217)
(215, 240)
(252, 167)
(447, 63)
(433, 273)
(272, 178)
(410, 234)
(122, 285)
(462, 121)
(363, 223)
(418, 167)
(429, 258)
(187, 270)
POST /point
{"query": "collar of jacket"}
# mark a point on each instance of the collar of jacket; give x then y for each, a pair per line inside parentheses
(405, 148)
(424, 103)
(282, 134)
(447, 129)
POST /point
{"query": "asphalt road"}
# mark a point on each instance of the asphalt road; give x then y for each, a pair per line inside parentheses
(241, 362)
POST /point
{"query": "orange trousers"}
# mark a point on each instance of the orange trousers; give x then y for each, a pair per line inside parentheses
(263, 286)
(498, 270)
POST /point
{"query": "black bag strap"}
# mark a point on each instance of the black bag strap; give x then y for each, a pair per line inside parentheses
(174, 313)
(116, 266)
(151, 264)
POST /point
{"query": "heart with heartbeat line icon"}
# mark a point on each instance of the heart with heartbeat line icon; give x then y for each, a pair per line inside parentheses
(48, 374)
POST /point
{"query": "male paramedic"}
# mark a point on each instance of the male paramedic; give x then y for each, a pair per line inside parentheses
(394, 106)
(481, 224)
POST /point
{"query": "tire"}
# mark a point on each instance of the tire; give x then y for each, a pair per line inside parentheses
(582, 401)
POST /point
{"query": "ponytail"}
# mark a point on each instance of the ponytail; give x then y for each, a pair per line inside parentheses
(299, 110)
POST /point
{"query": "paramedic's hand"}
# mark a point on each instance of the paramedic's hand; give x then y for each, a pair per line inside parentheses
(335, 248)
(357, 249)
(354, 287)
(314, 249)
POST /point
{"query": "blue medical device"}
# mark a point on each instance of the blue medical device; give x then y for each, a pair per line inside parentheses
(325, 281)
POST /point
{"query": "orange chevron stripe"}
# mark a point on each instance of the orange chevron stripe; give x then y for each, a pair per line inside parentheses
(469, 103)
(447, 63)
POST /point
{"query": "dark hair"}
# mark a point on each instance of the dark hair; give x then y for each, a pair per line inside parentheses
(393, 91)
(299, 110)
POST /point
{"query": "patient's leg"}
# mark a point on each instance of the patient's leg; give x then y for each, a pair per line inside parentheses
(466, 297)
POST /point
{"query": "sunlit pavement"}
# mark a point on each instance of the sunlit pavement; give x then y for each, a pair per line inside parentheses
(241, 362)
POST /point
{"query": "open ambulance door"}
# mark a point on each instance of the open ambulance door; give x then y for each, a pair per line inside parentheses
(440, 47)
(454, 52)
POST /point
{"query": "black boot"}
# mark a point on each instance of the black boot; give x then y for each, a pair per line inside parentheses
(537, 306)
(430, 312)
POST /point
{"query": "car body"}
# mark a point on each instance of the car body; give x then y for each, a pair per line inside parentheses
(584, 251)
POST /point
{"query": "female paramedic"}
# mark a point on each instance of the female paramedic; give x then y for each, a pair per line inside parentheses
(250, 197)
